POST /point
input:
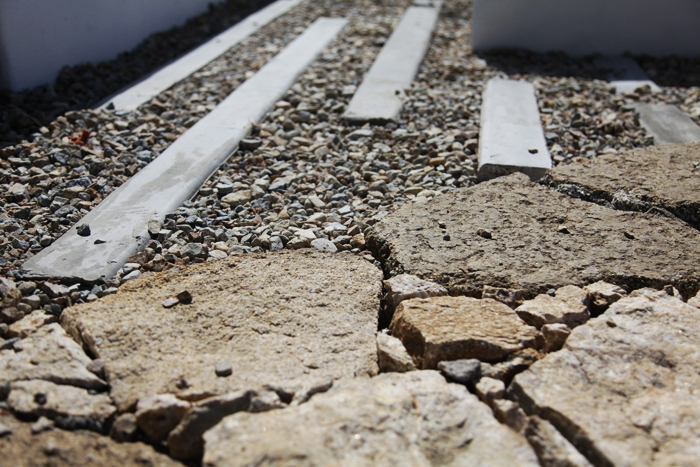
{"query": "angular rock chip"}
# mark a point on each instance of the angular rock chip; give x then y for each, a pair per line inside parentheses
(454, 328)
(39, 398)
(551, 310)
(603, 295)
(407, 419)
(462, 371)
(510, 297)
(49, 354)
(393, 355)
(282, 319)
(30, 324)
(59, 448)
(653, 177)
(624, 388)
(555, 336)
(527, 252)
(406, 286)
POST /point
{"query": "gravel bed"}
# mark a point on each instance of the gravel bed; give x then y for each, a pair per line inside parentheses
(82, 86)
(304, 177)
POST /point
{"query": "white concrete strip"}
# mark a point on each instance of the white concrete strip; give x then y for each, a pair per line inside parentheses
(626, 75)
(668, 124)
(511, 137)
(379, 96)
(164, 78)
(119, 225)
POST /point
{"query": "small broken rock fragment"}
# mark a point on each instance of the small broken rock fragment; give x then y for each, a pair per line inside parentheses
(185, 297)
(223, 369)
(489, 389)
(170, 302)
(158, 415)
(392, 354)
(406, 286)
(545, 309)
(83, 230)
(555, 336)
(484, 233)
(603, 294)
(551, 447)
(511, 297)
(462, 371)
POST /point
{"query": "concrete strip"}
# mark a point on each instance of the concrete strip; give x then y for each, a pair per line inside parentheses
(668, 124)
(120, 221)
(626, 75)
(180, 69)
(378, 97)
(511, 137)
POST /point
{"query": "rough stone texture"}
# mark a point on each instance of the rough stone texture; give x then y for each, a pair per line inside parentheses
(281, 319)
(624, 388)
(510, 297)
(603, 295)
(406, 286)
(30, 324)
(158, 415)
(407, 419)
(39, 398)
(490, 389)
(393, 355)
(551, 310)
(638, 180)
(59, 448)
(695, 301)
(185, 442)
(509, 413)
(49, 354)
(552, 449)
(527, 251)
(555, 336)
(454, 328)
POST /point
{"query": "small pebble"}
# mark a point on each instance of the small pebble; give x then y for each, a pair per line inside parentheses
(223, 369)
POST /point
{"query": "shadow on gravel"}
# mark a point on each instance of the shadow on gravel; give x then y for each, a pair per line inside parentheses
(82, 86)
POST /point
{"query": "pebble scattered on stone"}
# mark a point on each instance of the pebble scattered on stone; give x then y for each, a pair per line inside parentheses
(223, 369)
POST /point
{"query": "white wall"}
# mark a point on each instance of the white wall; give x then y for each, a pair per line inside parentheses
(581, 27)
(39, 37)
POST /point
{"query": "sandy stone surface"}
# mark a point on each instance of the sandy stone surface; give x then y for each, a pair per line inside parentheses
(282, 319)
(527, 248)
(453, 328)
(407, 419)
(59, 448)
(624, 388)
(662, 176)
(51, 355)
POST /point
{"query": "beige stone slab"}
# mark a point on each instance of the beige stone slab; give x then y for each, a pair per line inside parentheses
(409, 419)
(665, 177)
(453, 328)
(506, 233)
(282, 319)
(624, 388)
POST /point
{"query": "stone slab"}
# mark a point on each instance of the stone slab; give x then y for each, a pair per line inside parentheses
(527, 250)
(285, 320)
(624, 388)
(454, 328)
(626, 76)
(59, 448)
(664, 177)
(121, 220)
(668, 124)
(159, 81)
(511, 138)
(378, 98)
(49, 354)
(409, 419)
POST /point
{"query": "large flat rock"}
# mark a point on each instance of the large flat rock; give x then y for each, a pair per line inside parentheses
(409, 419)
(59, 448)
(624, 388)
(286, 320)
(663, 176)
(511, 233)
(453, 328)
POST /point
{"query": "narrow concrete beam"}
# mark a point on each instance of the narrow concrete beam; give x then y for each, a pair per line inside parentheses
(626, 75)
(379, 96)
(668, 124)
(164, 78)
(119, 225)
(511, 137)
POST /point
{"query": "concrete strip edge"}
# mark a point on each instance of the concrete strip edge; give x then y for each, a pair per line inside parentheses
(626, 75)
(511, 138)
(119, 224)
(668, 124)
(174, 72)
(378, 96)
